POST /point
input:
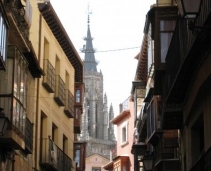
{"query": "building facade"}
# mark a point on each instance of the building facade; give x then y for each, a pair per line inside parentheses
(173, 125)
(40, 92)
(125, 126)
(96, 129)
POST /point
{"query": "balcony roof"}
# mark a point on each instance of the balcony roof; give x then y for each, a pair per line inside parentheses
(120, 117)
(141, 70)
(54, 23)
(34, 66)
(108, 166)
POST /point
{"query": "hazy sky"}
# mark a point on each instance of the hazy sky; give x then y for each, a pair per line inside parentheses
(117, 28)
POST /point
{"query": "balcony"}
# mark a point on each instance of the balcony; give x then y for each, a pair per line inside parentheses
(19, 28)
(154, 129)
(77, 120)
(182, 61)
(59, 95)
(142, 128)
(53, 158)
(124, 106)
(29, 137)
(69, 104)
(17, 139)
(80, 155)
(204, 163)
(13, 98)
(166, 154)
(79, 91)
(49, 78)
(172, 116)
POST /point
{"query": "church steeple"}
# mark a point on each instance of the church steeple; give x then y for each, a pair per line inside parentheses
(90, 63)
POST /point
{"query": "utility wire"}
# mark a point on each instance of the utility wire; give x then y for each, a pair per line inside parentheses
(97, 51)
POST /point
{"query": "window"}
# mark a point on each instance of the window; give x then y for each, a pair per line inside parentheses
(78, 96)
(65, 144)
(117, 168)
(28, 15)
(76, 113)
(124, 133)
(96, 169)
(3, 37)
(150, 49)
(54, 132)
(166, 31)
(77, 157)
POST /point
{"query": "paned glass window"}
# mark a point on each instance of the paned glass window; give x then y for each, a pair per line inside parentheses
(77, 157)
(78, 96)
(166, 31)
(150, 49)
(3, 37)
(124, 133)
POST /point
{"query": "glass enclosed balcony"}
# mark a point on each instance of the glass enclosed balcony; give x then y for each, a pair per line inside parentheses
(13, 99)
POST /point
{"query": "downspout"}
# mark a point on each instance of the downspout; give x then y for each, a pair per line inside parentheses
(38, 90)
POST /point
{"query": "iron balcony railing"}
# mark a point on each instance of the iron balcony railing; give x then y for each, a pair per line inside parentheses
(69, 104)
(59, 95)
(204, 163)
(49, 78)
(181, 44)
(53, 158)
(29, 136)
(17, 10)
(124, 106)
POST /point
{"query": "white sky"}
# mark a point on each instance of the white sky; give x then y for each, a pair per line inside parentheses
(114, 24)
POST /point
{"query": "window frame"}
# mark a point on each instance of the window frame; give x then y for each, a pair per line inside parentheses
(166, 30)
(4, 26)
(124, 135)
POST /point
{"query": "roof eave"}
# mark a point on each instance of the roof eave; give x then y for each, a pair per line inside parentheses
(48, 13)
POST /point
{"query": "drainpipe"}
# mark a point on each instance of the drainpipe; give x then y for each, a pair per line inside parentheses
(37, 99)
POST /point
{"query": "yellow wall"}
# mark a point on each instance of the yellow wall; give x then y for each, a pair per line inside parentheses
(53, 112)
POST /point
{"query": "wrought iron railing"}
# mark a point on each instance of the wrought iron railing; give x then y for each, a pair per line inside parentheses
(17, 10)
(69, 104)
(53, 158)
(181, 43)
(59, 95)
(49, 78)
(29, 136)
(204, 163)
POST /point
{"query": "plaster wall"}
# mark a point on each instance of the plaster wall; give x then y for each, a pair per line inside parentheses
(95, 161)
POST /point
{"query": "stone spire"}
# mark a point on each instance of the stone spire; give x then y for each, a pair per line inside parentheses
(111, 126)
(90, 63)
(95, 119)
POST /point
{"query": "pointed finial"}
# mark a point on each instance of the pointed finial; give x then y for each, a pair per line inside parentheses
(88, 12)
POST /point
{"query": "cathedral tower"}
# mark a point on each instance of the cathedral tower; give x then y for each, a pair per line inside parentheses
(96, 129)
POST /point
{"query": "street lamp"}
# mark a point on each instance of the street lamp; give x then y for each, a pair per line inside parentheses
(4, 121)
(148, 162)
(189, 10)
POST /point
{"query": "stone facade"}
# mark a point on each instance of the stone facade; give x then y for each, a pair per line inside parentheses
(96, 129)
